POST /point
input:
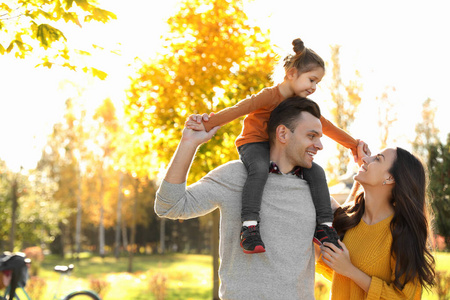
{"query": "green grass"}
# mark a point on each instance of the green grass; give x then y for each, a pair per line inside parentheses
(442, 261)
(184, 276)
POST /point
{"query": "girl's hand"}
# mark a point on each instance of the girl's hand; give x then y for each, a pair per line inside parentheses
(337, 259)
(362, 150)
(366, 149)
(195, 121)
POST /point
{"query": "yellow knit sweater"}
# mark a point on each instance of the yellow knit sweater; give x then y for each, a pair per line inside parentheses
(369, 247)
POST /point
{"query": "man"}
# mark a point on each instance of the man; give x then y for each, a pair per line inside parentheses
(286, 269)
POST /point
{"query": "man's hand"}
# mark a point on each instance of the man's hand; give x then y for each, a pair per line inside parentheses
(196, 138)
(182, 159)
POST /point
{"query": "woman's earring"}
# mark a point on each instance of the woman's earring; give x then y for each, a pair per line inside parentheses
(384, 182)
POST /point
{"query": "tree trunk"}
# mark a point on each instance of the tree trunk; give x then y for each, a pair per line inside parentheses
(78, 222)
(124, 235)
(119, 216)
(101, 233)
(14, 205)
(63, 239)
(162, 236)
(133, 228)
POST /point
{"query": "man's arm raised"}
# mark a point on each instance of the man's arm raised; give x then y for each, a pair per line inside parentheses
(182, 159)
(172, 201)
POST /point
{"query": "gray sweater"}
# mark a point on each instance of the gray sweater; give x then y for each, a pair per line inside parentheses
(286, 270)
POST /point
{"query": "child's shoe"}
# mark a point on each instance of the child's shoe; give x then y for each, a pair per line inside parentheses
(251, 240)
(325, 233)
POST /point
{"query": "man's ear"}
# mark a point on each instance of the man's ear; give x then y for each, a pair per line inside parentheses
(282, 134)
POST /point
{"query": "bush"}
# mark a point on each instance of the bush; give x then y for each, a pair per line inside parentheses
(36, 287)
(158, 286)
(99, 286)
(443, 285)
(37, 256)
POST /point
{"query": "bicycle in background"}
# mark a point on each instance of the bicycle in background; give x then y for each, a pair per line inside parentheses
(14, 274)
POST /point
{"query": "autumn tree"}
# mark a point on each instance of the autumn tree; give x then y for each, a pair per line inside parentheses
(437, 155)
(427, 133)
(387, 115)
(29, 217)
(12, 188)
(104, 132)
(345, 100)
(212, 58)
(4, 203)
(61, 160)
(34, 28)
(439, 170)
(39, 215)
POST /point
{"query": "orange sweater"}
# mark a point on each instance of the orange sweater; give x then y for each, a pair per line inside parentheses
(370, 251)
(258, 108)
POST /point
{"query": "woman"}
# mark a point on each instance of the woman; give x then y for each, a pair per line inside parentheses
(384, 232)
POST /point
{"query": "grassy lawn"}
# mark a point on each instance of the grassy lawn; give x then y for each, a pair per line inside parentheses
(183, 276)
(178, 276)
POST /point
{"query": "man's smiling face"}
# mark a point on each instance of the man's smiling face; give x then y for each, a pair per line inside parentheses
(304, 141)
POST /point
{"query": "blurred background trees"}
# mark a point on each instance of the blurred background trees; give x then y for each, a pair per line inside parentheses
(345, 99)
(94, 186)
(439, 169)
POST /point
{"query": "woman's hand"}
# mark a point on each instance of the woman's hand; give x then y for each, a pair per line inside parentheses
(337, 259)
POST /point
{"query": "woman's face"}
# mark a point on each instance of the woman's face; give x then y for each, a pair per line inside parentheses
(375, 169)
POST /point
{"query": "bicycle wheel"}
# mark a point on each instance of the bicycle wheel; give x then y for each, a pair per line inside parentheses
(82, 295)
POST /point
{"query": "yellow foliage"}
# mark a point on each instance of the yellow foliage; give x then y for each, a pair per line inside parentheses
(345, 100)
(212, 59)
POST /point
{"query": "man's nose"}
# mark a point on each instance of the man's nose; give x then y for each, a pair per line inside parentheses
(319, 145)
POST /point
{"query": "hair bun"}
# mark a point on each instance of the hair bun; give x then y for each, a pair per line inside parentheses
(299, 46)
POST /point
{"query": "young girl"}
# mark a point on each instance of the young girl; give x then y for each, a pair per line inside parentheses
(304, 71)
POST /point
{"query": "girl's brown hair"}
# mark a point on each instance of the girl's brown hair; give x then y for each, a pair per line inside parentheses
(304, 59)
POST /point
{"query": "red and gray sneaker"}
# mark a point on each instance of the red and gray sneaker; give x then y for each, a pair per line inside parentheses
(325, 233)
(251, 240)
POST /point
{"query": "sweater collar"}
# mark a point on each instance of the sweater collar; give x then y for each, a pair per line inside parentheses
(297, 171)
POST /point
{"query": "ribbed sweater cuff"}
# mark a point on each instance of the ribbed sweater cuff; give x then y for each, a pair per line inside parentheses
(376, 286)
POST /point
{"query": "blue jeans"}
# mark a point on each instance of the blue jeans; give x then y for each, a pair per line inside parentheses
(256, 158)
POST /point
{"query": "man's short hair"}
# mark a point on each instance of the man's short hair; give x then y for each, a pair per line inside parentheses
(287, 113)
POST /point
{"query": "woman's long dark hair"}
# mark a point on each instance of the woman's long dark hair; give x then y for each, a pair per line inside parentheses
(409, 226)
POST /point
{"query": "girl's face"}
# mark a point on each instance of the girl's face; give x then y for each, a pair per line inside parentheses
(375, 169)
(305, 84)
